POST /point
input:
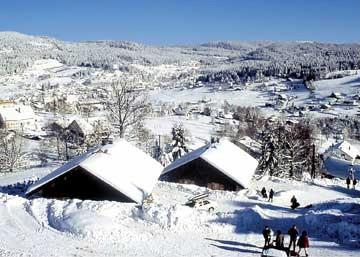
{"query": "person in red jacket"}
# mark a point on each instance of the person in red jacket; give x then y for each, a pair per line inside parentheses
(303, 243)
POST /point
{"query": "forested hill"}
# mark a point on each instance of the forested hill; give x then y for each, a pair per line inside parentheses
(233, 61)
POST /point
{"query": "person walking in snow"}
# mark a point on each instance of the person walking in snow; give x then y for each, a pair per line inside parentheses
(351, 172)
(348, 182)
(279, 240)
(303, 243)
(293, 233)
(271, 195)
(354, 183)
(267, 236)
(263, 192)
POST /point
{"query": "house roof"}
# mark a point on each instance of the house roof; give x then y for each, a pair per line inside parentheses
(85, 126)
(347, 148)
(340, 168)
(226, 157)
(16, 113)
(120, 165)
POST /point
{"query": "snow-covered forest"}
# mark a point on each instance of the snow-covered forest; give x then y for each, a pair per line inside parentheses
(219, 61)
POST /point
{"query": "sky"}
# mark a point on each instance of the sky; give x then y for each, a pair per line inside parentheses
(177, 22)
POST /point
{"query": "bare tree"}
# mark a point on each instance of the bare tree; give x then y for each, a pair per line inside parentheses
(10, 151)
(127, 107)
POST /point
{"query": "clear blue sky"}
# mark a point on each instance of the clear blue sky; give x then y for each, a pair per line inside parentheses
(184, 21)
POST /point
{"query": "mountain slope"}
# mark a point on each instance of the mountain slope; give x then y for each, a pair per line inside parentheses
(243, 58)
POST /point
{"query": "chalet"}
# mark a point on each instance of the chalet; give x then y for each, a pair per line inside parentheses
(325, 106)
(118, 171)
(17, 117)
(350, 102)
(221, 165)
(336, 95)
(344, 150)
(81, 128)
(180, 110)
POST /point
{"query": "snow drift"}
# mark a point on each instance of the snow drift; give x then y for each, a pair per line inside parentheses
(338, 220)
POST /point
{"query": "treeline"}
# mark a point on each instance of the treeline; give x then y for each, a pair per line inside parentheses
(220, 62)
(286, 147)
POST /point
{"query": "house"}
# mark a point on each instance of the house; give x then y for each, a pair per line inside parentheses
(17, 117)
(80, 128)
(336, 95)
(220, 165)
(118, 171)
(180, 110)
(344, 150)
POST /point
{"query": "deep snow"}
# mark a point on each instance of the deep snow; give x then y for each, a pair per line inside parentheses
(48, 227)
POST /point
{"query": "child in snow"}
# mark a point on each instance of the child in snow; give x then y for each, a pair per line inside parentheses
(348, 182)
(294, 203)
(271, 195)
(303, 243)
(293, 233)
(267, 236)
(263, 192)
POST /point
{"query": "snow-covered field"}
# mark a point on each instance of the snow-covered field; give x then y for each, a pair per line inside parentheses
(48, 227)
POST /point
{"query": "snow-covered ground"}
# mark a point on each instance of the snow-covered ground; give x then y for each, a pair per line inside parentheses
(49, 227)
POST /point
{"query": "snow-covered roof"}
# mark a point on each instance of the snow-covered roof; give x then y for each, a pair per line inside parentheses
(121, 165)
(346, 148)
(226, 157)
(340, 168)
(85, 126)
(17, 113)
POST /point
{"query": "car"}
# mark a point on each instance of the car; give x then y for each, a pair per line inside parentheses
(201, 202)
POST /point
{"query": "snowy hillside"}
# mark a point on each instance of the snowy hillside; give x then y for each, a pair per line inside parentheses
(284, 103)
(220, 61)
(47, 227)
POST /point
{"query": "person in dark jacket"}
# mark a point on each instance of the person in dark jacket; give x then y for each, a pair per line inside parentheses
(354, 183)
(348, 182)
(293, 233)
(263, 192)
(271, 195)
(267, 236)
(279, 240)
(294, 203)
(303, 243)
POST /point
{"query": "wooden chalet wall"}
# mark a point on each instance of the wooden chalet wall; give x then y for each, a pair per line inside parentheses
(201, 173)
(80, 184)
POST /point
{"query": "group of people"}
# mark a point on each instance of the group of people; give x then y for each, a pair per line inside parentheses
(348, 182)
(278, 243)
(294, 202)
(264, 194)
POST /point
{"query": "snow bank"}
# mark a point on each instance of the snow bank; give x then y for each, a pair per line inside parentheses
(85, 223)
(337, 219)
(247, 219)
(177, 217)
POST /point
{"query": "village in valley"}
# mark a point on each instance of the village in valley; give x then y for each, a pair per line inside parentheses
(226, 148)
